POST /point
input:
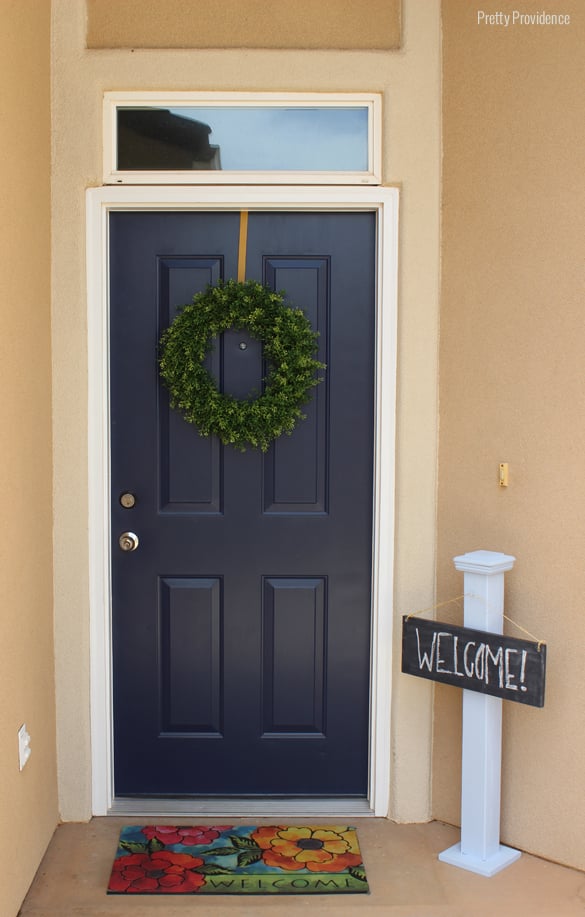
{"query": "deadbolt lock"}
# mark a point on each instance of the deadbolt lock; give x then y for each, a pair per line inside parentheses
(128, 500)
(128, 541)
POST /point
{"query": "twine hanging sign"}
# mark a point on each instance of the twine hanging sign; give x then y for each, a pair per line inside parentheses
(477, 660)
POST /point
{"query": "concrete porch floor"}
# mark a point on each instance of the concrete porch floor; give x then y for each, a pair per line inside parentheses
(405, 878)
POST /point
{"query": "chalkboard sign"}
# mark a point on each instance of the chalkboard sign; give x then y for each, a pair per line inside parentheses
(475, 659)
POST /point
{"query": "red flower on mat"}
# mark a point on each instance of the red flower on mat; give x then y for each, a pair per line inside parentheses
(189, 836)
(317, 849)
(160, 872)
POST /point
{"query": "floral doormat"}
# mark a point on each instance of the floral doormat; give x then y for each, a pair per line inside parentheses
(224, 860)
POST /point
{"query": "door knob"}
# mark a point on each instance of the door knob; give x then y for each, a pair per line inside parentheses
(128, 541)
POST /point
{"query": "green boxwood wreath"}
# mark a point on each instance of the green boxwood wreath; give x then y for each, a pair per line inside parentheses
(289, 343)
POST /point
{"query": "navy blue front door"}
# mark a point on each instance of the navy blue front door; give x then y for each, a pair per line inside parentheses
(241, 623)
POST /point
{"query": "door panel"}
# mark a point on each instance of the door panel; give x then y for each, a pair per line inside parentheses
(296, 470)
(294, 654)
(241, 624)
(190, 659)
(180, 451)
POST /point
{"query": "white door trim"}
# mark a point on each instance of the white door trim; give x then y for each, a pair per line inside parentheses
(100, 201)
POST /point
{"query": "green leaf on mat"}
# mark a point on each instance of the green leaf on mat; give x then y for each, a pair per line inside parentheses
(133, 847)
(244, 843)
(154, 845)
(218, 852)
(248, 857)
(358, 873)
(211, 869)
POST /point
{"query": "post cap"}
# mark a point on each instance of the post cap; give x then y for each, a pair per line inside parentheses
(485, 562)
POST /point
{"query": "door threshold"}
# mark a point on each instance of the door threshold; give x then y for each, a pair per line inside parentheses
(242, 807)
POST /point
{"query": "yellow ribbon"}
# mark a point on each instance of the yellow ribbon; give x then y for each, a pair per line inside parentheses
(242, 246)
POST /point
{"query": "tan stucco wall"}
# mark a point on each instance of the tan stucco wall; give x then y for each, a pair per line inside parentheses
(410, 83)
(364, 24)
(512, 389)
(28, 800)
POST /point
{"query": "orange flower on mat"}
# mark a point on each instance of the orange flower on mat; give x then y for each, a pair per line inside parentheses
(317, 849)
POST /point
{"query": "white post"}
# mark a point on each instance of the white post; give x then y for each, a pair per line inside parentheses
(480, 850)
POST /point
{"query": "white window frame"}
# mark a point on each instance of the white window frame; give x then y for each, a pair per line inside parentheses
(114, 100)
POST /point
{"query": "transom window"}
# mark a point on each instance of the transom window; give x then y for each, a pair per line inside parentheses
(238, 138)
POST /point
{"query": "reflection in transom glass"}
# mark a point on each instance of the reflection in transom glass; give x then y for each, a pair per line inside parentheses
(244, 138)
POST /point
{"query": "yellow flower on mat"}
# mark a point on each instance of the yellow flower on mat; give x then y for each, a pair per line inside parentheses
(314, 848)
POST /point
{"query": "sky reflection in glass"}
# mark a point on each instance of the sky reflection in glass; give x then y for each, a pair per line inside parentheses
(287, 139)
